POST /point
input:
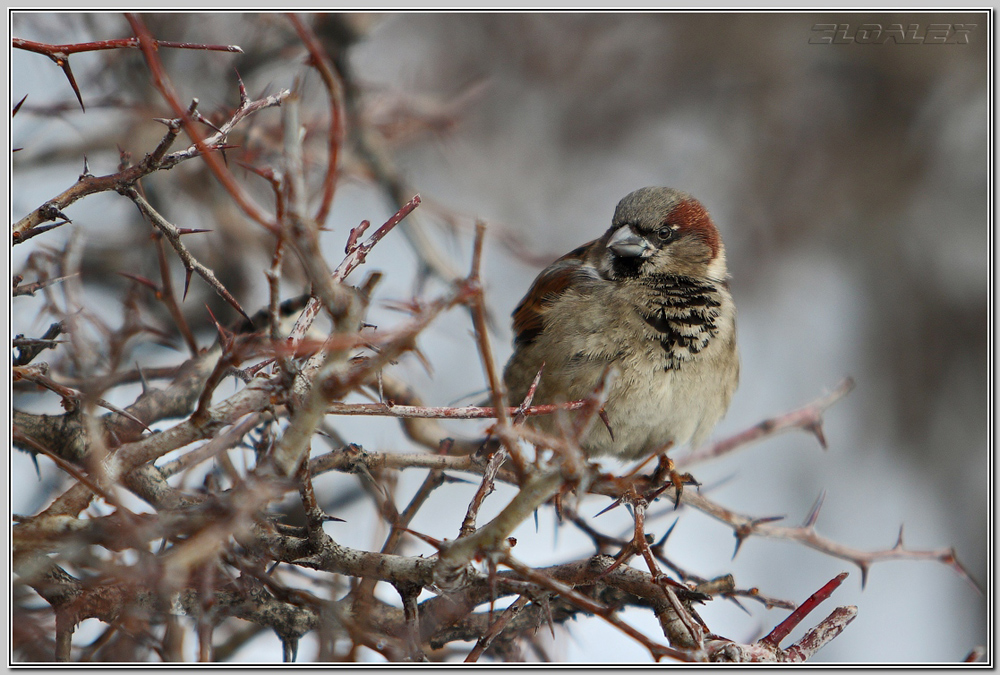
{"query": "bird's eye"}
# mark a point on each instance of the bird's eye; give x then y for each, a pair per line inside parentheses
(665, 234)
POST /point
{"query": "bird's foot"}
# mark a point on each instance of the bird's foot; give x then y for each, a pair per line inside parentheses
(666, 475)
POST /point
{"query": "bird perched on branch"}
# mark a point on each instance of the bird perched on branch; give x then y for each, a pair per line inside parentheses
(648, 299)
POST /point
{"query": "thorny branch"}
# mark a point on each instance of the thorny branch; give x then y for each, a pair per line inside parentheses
(237, 519)
(60, 53)
(809, 418)
(190, 263)
(163, 84)
(88, 184)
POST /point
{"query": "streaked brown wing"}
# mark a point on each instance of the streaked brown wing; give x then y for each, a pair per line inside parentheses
(550, 284)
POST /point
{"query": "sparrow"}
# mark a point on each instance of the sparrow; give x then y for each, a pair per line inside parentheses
(650, 300)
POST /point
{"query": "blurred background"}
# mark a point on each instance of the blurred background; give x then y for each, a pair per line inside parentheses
(850, 183)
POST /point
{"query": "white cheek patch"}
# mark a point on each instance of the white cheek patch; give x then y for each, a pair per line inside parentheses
(717, 268)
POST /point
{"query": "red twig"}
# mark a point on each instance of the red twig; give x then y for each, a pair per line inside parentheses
(975, 655)
(148, 45)
(119, 43)
(60, 53)
(334, 88)
(128, 176)
(477, 308)
(355, 257)
(782, 630)
(356, 232)
(360, 252)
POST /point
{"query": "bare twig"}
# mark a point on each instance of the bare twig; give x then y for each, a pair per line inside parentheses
(477, 308)
(809, 418)
(68, 467)
(127, 177)
(53, 51)
(191, 264)
(768, 649)
(219, 443)
(657, 651)
(825, 631)
(471, 412)
(484, 490)
(371, 149)
(31, 289)
(745, 526)
(163, 84)
(355, 256)
(21, 237)
(496, 628)
(28, 349)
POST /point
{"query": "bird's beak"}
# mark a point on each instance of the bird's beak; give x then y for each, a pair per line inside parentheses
(625, 243)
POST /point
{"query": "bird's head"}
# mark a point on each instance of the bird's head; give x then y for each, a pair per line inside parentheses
(659, 230)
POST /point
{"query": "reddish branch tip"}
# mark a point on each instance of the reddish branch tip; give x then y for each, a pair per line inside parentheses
(782, 630)
(142, 280)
